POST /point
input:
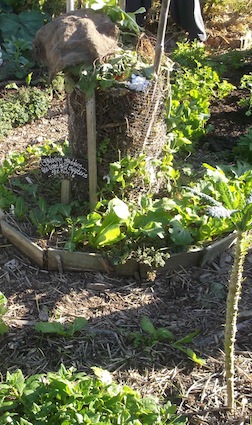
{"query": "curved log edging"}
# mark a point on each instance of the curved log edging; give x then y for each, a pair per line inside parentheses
(53, 259)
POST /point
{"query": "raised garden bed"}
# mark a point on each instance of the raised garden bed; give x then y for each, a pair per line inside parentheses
(63, 261)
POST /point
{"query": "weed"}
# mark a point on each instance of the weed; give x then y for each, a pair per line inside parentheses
(64, 330)
(153, 336)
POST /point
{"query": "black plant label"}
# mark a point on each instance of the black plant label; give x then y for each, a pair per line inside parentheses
(62, 167)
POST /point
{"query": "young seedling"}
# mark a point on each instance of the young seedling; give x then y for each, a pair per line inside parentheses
(64, 330)
(154, 336)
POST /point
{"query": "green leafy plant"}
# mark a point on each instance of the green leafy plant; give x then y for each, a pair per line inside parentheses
(153, 336)
(46, 218)
(101, 230)
(17, 58)
(115, 72)
(195, 84)
(10, 165)
(141, 228)
(145, 229)
(3, 301)
(243, 149)
(23, 105)
(18, 27)
(21, 26)
(246, 83)
(121, 173)
(67, 397)
(57, 328)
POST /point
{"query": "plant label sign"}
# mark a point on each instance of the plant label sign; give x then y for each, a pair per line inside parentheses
(64, 167)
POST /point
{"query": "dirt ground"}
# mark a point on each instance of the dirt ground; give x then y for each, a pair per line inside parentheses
(182, 301)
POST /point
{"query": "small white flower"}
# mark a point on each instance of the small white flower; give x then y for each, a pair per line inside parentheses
(1, 60)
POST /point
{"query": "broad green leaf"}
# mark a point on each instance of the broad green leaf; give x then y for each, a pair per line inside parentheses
(24, 26)
(159, 215)
(77, 235)
(20, 207)
(16, 380)
(50, 327)
(180, 235)
(225, 195)
(170, 408)
(25, 422)
(42, 205)
(63, 209)
(154, 229)
(7, 406)
(78, 324)
(246, 222)
(166, 204)
(147, 326)
(163, 333)
(69, 84)
(70, 246)
(119, 208)
(111, 234)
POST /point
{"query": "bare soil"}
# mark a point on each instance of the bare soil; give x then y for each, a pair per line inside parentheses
(183, 301)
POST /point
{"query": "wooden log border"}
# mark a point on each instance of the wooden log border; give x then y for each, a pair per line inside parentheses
(63, 261)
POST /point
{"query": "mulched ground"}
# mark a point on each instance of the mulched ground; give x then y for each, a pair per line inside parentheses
(182, 301)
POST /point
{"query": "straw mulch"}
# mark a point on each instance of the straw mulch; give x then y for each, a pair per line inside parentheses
(182, 301)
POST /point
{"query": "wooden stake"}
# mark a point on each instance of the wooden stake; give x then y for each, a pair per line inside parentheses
(122, 4)
(161, 35)
(65, 191)
(91, 142)
(69, 5)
